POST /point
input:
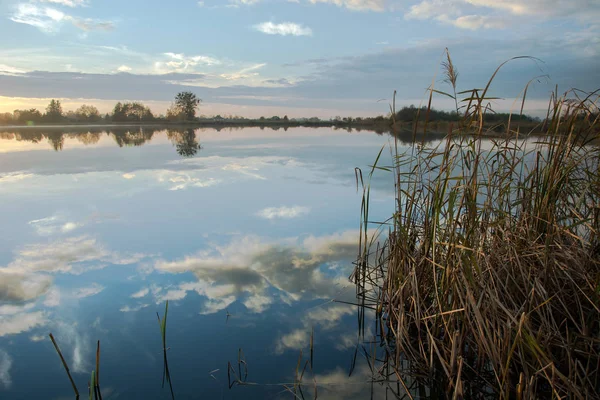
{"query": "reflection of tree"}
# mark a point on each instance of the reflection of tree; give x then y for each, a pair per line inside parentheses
(185, 142)
(28, 136)
(87, 138)
(56, 139)
(132, 137)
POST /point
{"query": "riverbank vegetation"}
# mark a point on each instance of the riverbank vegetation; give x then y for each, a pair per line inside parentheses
(183, 112)
(485, 282)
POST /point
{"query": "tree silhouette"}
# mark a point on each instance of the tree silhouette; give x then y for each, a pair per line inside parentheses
(187, 103)
(27, 116)
(54, 111)
(87, 113)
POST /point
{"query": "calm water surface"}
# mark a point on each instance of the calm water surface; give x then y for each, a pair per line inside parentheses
(248, 233)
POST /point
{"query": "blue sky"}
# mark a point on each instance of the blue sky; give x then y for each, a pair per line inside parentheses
(296, 57)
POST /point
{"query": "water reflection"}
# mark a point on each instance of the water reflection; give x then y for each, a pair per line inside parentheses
(185, 141)
(249, 239)
(185, 138)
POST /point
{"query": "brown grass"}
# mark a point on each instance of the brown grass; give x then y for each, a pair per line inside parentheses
(488, 284)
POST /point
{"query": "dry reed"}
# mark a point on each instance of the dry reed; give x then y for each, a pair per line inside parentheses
(488, 282)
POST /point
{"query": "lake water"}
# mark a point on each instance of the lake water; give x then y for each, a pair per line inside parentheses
(250, 234)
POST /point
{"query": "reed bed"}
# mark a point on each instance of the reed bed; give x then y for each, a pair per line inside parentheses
(487, 284)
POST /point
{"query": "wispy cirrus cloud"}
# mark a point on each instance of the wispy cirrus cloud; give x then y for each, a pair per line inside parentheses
(245, 2)
(135, 308)
(67, 3)
(283, 29)
(141, 293)
(5, 365)
(50, 20)
(357, 5)
(88, 291)
(283, 212)
(53, 225)
(179, 62)
(498, 14)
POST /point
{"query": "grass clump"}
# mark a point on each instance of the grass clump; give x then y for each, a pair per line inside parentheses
(488, 283)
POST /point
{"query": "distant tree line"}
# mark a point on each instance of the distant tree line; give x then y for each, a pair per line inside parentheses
(183, 109)
(185, 105)
(409, 114)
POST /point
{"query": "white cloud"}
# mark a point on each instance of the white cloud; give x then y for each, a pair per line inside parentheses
(22, 286)
(128, 176)
(52, 298)
(235, 3)
(541, 7)
(283, 29)
(75, 345)
(475, 22)
(346, 341)
(38, 338)
(124, 68)
(15, 177)
(357, 5)
(283, 212)
(88, 291)
(5, 365)
(19, 323)
(213, 306)
(182, 181)
(295, 340)
(69, 226)
(45, 19)
(50, 20)
(67, 3)
(179, 62)
(133, 308)
(89, 24)
(337, 385)
(72, 255)
(244, 73)
(498, 14)
(45, 226)
(8, 70)
(247, 267)
(258, 303)
(12, 309)
(142, 293)
(328, 317)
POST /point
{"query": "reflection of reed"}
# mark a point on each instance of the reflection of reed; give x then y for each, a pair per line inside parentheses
(65, 365)
(240, 377)
(163, 331)
(96, 376)
(93, 383)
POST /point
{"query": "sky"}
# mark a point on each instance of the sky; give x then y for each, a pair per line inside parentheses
(296, 57)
